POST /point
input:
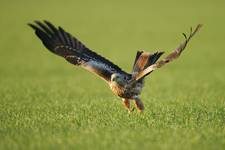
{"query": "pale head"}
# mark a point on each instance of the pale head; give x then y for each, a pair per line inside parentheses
(118, 78)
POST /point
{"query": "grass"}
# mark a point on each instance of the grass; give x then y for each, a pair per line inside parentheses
(46, 103)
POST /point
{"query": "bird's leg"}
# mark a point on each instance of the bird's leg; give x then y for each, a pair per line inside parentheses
(138, 104)
(126, 103)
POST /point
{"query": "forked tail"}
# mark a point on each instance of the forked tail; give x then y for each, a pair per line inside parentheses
(144, 60)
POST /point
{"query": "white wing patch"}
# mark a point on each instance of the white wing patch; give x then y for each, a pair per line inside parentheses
(98, 65)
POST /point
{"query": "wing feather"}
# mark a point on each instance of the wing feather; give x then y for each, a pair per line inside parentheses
(62, 43)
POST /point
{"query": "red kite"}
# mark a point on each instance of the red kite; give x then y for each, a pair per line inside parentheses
(128, 86)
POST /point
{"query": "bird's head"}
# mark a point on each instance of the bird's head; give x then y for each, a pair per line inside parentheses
(118, 78)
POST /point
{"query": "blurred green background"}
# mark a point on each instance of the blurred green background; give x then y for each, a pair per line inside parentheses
(46, 103)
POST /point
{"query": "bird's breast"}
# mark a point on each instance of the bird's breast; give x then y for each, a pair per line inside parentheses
(126, 91)
(117, 89)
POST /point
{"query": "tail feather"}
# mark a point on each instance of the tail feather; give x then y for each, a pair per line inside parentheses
(153, 58)
(144, 60)
(137, 57)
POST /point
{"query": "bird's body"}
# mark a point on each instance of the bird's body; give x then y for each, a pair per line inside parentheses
(126, 90)
(128, 86)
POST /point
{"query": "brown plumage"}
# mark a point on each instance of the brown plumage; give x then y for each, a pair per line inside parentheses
(128, 86)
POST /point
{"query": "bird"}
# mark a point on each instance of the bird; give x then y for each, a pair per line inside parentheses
(127, 86)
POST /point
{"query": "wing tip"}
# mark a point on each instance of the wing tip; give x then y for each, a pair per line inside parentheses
(32, 26)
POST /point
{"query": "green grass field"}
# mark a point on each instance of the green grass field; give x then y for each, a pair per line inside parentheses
(46, 103)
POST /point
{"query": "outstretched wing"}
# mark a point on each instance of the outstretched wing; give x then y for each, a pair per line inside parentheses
(175, 54)
(64, 44)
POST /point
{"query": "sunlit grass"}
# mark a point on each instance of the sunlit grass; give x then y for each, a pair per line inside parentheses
(46, 103)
